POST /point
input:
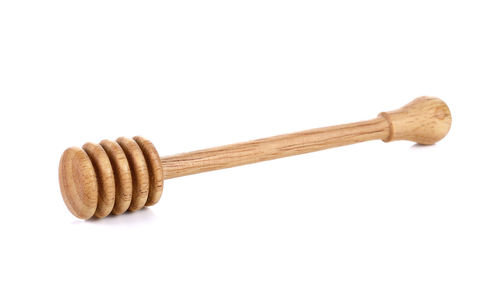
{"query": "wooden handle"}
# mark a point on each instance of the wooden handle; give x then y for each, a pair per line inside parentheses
(425, 120)
(116, 176)
(273, 147)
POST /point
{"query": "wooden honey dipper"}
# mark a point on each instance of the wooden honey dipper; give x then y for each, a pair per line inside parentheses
(113, 177)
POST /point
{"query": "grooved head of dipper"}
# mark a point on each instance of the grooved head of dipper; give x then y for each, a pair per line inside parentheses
(110, 177)
(78, 182)
(425, 120)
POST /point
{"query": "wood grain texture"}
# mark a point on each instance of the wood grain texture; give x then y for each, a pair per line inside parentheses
(273, 147)
(128, 174)
(105, 178)
(122, 174)
(140, 175)
(425, 120)
(154, 168)
(78, 183)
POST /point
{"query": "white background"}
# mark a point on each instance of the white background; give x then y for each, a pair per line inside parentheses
(367, 219)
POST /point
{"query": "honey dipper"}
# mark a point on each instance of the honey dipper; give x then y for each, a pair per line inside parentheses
(115, 176)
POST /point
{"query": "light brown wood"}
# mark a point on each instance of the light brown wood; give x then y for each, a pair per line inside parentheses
(425, 120)
(155, 170)
(273, 147)
(86, 175)
(105, 178)
(78, 183)
(123, 176)
(140, 175)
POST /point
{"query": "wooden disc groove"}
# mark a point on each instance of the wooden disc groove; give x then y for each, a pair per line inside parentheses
(154, 168)
(140, 175)
(122, 174)
(105, 178)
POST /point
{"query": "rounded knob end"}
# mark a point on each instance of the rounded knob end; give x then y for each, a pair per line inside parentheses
(425, 120)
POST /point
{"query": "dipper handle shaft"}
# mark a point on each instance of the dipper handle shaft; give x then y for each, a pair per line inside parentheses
(273, 147)
(425, 120)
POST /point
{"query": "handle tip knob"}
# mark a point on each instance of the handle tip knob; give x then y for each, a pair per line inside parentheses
(425, 120)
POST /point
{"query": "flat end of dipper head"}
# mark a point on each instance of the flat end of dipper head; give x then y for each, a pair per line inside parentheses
(78, 183)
